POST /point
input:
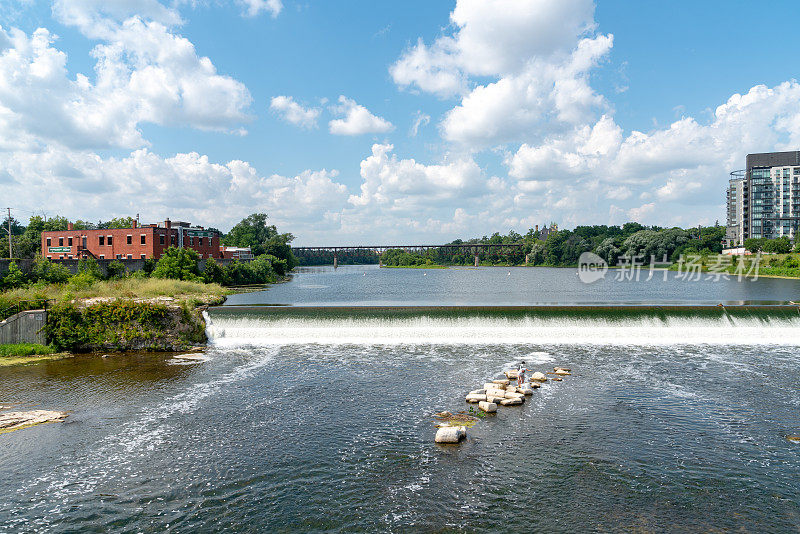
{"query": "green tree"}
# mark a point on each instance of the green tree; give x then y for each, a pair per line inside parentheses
(254, 232)
(14, 278)
(754, 244)
(118, 223)
(782, 245)
(178, 264)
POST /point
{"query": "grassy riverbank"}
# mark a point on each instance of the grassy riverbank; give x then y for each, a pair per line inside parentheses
(27, 353)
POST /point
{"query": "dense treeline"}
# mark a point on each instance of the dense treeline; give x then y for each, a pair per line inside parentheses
(344, 257)
(564, 247)
(175, 264)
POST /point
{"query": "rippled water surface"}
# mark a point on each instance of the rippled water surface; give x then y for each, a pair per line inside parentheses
(666, 425)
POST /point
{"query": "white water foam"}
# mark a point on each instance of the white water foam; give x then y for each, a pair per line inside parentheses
(231, 331)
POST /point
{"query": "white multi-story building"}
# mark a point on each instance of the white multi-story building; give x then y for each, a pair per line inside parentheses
(764, 199)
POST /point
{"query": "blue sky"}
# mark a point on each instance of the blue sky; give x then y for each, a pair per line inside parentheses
(526, 111)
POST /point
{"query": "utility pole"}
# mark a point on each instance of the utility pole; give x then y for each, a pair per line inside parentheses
(10, 255)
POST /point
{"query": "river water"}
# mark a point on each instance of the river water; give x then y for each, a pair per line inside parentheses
(306, 420)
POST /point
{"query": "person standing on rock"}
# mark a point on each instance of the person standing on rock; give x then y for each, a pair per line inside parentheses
(521, 373)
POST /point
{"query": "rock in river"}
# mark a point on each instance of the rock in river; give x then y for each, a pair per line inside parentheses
(511, 402)
(475, 398)
(562, 372)
(15, 420)
(502, 381)
(450, 434)
(512, 374)
(488, 407)
(538, 377)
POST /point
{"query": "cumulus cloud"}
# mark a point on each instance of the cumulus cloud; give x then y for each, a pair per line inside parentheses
(357, 119)
(143, 74)
(404, 183)
(292, 112)
(186, 185)
(539, 52)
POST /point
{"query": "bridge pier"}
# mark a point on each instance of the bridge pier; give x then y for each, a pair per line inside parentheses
(335, 260)
(477, 260)
(527, 258)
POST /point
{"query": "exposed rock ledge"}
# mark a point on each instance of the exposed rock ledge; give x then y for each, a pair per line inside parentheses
(15, 420)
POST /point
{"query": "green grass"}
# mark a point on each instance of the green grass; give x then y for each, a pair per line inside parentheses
(27, 353)
(25, 349)
(192, 292)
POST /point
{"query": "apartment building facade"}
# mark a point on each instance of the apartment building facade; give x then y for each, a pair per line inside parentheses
(137, 242)
(764, 200)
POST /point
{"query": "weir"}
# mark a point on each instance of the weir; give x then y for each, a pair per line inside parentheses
(482, 325)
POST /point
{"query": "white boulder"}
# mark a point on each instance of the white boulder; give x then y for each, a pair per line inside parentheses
(477, 392)
(511, 402)
(526, 391)
(538, 377)
(488, 407)
(502, 381)
(535, 385)
(562, 372)
(450, 434)
(475, 398)
(513, 374)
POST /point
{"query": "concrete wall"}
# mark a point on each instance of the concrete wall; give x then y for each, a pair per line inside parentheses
(72, 265)
(24, 327)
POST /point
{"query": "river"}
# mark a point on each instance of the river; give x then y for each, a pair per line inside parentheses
(302, 419)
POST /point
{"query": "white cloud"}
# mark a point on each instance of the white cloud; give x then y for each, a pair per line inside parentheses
(186, 185)
(420, 119)
(405, 184)
(357, 119)
(292, 112)
(255, 7)
(143, 74)
(638, 214)
(539, 52)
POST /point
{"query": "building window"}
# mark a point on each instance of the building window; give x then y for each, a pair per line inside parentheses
(61, 242)
(161, 239)
(172, 239)
(49, 257)
(48, 243)
(102, 256)
(130, 239)
(144, 256)
(130, 256)
(70, 256)
(144, 236)
(69, 241)
(191, 241)
(101, 240)
(119, 256)
(108, 241)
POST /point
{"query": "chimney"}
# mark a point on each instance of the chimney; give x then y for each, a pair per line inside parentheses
(135, 224)
(167, 224)
(70, 226)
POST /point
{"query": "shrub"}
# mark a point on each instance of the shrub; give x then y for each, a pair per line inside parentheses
(46, 271)
(89, 268)
(178, 264)
(81, 281)
(116, 270)
(214, 273)
(14, 278)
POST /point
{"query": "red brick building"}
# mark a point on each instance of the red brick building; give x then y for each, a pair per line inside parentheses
(139, 242)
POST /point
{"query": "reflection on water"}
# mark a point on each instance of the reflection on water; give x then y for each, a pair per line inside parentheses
(493, 286)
